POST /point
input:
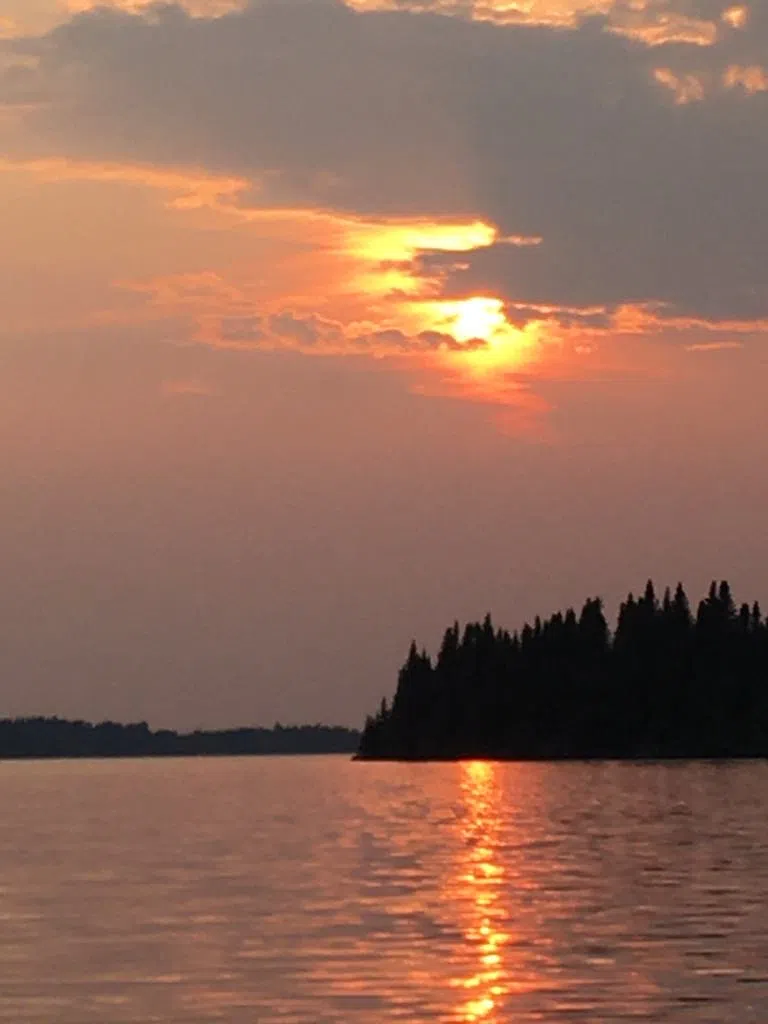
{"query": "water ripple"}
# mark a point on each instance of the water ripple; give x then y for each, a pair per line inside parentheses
(317, 891)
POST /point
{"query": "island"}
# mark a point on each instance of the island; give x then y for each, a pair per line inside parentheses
(665, 683)
(59, 738)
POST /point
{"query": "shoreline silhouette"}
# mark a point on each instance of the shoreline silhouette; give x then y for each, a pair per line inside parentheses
(664, 684)
(41, 738)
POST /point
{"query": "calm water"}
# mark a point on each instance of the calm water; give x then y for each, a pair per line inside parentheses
(312, 890)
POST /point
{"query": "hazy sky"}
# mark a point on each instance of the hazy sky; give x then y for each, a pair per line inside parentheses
(324, 323)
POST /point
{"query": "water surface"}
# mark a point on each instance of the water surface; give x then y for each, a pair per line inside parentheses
(314, 890)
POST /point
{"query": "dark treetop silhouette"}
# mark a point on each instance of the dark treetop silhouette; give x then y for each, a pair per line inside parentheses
(664, 684)
(55, 737)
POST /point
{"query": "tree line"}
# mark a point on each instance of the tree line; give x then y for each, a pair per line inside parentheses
(666, 682)
(57, 737)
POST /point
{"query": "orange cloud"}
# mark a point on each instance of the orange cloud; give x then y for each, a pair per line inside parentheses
(343, 285)
(364, 276)
(355, 288)
(642, 19)
(651, 321)
(693, 87)
(751, 79)
(685, 88)
(555, 13)
(464, 348)
(190, 190)
(661, 28)
(198, 8)
(736, 17)
(347, 269)
(714, 346)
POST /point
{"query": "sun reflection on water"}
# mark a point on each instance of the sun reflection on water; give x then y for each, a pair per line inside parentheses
(483, 881)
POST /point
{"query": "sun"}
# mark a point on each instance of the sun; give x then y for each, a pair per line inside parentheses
(478, 318)
(475, 318)
(489, 346)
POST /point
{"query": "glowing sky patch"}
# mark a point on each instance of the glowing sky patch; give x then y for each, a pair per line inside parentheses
(329, 280)
(736, 17)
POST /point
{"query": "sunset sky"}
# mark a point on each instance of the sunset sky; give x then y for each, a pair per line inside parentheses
(323, 324)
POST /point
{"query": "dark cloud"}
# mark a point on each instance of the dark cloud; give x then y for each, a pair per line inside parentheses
(440, 340)
(313, 333)
(563, 134)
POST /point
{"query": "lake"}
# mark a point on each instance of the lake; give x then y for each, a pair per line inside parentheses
(311, 890)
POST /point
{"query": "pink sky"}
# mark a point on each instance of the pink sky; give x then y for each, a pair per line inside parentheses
(324, 324)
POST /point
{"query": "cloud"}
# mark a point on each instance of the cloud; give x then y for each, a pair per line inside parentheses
(576, 136)
(199, 8)
(714, 346)
(313, 334)
(654, 22)
(189, 190)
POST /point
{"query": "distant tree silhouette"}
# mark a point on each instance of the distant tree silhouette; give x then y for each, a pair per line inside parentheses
(664, 684)
(56, 737)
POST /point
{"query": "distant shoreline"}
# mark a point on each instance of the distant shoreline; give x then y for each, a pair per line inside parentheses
(62, 739)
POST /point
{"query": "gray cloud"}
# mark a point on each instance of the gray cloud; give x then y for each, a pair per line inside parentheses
(563, 134)
(313, 333)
